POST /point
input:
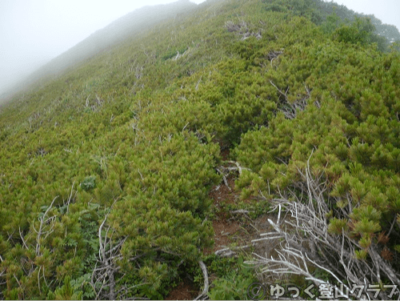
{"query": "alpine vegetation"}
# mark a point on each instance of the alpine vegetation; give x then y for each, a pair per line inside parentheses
(110, 165)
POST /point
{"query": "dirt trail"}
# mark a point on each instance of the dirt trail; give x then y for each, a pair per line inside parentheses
(228, 229)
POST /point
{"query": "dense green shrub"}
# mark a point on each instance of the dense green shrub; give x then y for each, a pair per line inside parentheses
(121, 152)
(88, 183)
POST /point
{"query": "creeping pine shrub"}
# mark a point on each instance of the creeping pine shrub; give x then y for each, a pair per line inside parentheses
(89, 183)
(233, 285)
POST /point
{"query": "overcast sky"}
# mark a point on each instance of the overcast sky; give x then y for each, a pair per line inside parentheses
(32, 32)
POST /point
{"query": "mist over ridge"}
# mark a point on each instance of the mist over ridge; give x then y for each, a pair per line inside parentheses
(125, 27)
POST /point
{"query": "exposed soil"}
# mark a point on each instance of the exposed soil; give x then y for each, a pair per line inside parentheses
(223, 234)
(225, 154)
(184, 291)
(222, 195)
(228, 229)
(224, 227)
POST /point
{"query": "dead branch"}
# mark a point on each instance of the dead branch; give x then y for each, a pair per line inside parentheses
(224, 178)
(204, 293)
(71, 196)
(273, 55)
(230, 252)
(198, 83)
(290, 109)
(242, 29)
(306, 241)
(238, 167)
(43, 222)
(106, 276)
(22, 238)
(240, 211)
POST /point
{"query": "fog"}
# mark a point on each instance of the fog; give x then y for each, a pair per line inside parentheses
(388, 11)
(32, 32)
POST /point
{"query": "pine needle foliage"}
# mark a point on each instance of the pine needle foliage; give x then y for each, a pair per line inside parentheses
(118, 154)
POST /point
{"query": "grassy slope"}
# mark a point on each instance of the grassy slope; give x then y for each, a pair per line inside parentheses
(138, 131)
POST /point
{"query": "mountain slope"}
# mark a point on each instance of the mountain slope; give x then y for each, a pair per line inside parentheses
(125, 28)
(106, 170)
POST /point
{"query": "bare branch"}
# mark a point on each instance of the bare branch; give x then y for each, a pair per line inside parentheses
(204, 293)
(306, 241)
(22, 238)
(224, 178)
(238, 167)
(42, 222)
(230, 252)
